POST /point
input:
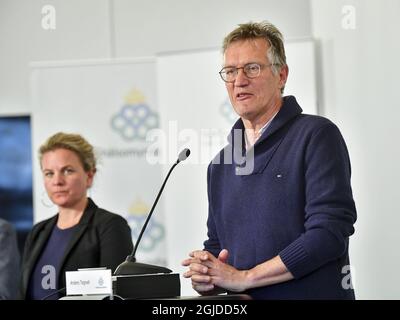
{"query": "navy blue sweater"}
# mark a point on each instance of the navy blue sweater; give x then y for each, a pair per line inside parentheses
(295, 202)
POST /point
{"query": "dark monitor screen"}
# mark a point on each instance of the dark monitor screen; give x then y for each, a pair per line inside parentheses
(16, 199)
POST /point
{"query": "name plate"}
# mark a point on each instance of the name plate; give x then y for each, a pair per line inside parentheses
(89, 281)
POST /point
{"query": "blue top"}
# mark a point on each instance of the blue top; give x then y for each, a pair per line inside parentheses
(294, 200)
(43, 280)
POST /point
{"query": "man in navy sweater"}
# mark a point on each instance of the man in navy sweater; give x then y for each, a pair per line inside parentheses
(281, 209)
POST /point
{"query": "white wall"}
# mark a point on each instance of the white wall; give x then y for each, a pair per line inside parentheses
(87, 29)
(148, 27)
(359, 91)
(82, 32)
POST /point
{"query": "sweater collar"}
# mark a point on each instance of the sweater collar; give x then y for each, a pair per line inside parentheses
(289, 110)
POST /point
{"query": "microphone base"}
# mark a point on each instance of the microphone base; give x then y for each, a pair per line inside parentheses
(147, 286)
(137, 268)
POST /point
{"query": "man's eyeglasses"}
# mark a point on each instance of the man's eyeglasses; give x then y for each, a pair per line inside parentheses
(251, 70)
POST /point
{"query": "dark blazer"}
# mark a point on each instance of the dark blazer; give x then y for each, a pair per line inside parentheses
(101, 239)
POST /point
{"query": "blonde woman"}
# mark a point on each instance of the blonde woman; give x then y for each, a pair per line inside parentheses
(80, 235)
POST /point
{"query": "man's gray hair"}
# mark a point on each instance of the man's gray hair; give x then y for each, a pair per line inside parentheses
(264, 30)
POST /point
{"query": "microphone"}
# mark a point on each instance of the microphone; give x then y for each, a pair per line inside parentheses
(130, 266)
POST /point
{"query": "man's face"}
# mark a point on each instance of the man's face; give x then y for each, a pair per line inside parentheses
(252, 98)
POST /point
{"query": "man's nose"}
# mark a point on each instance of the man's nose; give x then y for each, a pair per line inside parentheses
(241, 78)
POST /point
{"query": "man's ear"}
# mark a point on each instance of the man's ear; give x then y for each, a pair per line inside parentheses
(283, 75)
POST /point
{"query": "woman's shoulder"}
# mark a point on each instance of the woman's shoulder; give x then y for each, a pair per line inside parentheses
(105, 216)
(105, 221)
(39, 227)
(108, 215)
(41, 224)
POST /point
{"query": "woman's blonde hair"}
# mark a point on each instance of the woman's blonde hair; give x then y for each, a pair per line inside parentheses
(73, 142)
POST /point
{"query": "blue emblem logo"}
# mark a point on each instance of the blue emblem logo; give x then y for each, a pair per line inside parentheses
(135, 118)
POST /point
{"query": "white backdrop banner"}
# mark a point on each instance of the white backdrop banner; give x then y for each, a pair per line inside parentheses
(113, 105)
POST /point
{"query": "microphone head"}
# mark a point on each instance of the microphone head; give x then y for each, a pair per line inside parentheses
(183, 155)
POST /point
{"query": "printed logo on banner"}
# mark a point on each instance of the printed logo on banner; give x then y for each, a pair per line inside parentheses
(135, 118)
(154, 232)
(227, 111)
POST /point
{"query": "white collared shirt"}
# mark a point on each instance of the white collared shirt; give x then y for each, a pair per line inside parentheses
(259, 133)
